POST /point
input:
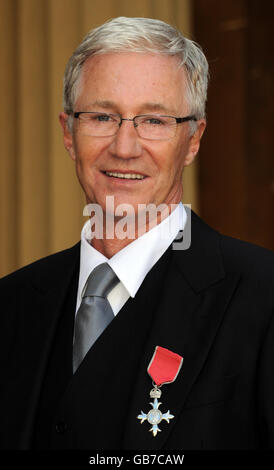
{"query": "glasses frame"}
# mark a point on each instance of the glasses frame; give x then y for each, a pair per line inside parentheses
(178, 120)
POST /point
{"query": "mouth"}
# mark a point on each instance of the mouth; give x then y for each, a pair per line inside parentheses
(125, 176)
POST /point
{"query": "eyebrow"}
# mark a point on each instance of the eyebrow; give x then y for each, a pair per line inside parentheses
(102, 104)
(156, 107)
(149, 106)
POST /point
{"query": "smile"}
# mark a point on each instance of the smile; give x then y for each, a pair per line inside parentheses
(128, 176)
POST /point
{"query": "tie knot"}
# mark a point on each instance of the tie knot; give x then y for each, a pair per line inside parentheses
(100, 281)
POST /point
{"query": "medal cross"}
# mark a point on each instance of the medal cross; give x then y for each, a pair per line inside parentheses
(155, 416)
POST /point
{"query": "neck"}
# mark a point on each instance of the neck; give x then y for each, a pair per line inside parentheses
(109, 248)
(126, 231)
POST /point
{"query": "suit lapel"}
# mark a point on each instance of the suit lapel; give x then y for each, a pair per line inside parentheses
(191, 308)
(41, 305)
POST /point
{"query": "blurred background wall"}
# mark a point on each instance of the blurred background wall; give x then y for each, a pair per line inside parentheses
(231, 185)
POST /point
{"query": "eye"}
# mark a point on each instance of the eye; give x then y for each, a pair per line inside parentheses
(102, 117)
(154, 121)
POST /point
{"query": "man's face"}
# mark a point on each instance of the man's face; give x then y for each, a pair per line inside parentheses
(131, 84)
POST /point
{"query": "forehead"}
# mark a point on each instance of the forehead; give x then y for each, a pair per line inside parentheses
(132, 79)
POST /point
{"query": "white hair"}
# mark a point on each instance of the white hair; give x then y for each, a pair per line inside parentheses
(143, 35)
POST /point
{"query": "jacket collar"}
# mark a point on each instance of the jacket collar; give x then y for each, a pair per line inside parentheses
(201, 265)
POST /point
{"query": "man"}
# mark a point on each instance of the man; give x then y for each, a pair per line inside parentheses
(134, 115)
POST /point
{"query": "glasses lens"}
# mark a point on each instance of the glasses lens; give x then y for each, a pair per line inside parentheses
(99, 124)
(156, 127)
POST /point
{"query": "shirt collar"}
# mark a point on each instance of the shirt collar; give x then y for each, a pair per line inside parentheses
(141, 253)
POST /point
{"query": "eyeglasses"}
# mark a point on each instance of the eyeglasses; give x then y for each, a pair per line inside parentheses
(148, 126)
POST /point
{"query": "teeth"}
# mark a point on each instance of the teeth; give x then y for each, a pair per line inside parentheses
(129, 176)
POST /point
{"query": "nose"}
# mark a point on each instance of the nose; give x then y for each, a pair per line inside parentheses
(126, 143)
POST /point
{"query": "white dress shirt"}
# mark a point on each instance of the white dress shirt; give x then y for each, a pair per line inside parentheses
(134, 261)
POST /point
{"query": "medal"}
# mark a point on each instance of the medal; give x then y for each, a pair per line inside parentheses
(163, 369)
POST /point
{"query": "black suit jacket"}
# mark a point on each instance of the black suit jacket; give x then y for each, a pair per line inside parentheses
(213, 304)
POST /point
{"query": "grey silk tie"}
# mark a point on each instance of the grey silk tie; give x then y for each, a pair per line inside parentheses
(94, 313)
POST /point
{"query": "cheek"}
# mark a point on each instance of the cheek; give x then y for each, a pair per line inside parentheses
(172, 161)
(85, 154)
(85, 163)
(88, 151)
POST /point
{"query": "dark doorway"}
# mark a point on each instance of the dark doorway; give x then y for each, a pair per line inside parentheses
(237, 152)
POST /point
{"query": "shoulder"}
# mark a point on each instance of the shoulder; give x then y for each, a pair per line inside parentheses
(247, 258)
(236, 254)
(255, 267)
(47, 268)
(214, 252)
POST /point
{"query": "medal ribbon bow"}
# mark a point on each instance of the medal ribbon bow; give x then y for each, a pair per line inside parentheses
(164, 366)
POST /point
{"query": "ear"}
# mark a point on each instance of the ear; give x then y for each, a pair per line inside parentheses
(194, 142)
(68, 137)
